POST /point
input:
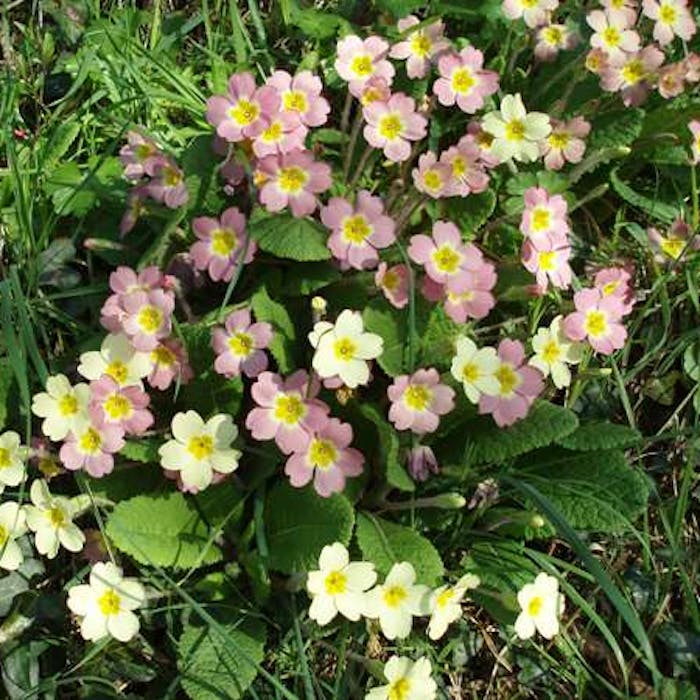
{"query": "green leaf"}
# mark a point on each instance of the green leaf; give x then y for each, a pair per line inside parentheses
(391, 325)
(141, 450)
(654, 208)
(68, 192)
(545, 423)
(222, 662)
(126, 482)
(318, 24)
(60, 141)
(399, 8)
(284, 340)
(385, 544)
(288, 237)
(600, 435)
(614, 129)
(299, 523)
(6, 382)
(197, 339)
(596, 490)
(162, 531)
(437, 343)
(471, 212)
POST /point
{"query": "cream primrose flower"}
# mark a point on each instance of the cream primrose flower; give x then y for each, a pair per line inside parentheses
(397, 601)
(408, 680)
(51, 519)
(541, 605)
(445, 605)
(339, 585)
(343, 349)
(12, 525)
(516, 133)
(62, 406)
(475, 368)
(199, 449)
(118, 359)
(107, 603)
(554, 351)
(12, 469)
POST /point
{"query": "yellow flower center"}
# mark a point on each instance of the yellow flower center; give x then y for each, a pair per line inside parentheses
(558, 139)
(362, 66)
(344, 349)
(118, 371)
(547, 260)
(667, 13)
(163, 356)
(273, 133)
(289, 409)
(4, 458)
(244, 112)
(394, 595)
(447, 259)
(534, 607)
(292, 179)
(420, 45)
(67, 405)
(470, 372)
(515, 130)
(673, 247)
(295, 101)
(596, 323)
(508, 379)
(109, 602)
(390, 126)
(610, 288)
(454, 298)
(391, 281)
(484, 140)
(4, 535)
(90, 441)
(336, 583)
(611, 37)
(462, 80)
(399, 690)
(241, 344)
(56, 517)
(143, 151)
(171, 177)
(417, 397)
(150, 319)
(370, 95)
(444, 598)
(200, 446)
(356, 229)
(541, 219)
(551, 351)
(553, 35)
(529, 4)
(432, 180)
(459, 166)
(223, 242)
(117, 406)
(322, 453)
(633, 72)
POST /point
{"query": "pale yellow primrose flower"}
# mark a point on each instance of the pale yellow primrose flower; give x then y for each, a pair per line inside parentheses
(339, 585)
(12, 526)
(62, 406)
(445, 605)
(408, 680)
(117, 359)
(554, 352)
(12, 469)
(541, 605)
(476, 369)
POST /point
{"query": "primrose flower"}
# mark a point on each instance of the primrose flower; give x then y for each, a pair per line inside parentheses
(547, 257)
(167, 184)
(518, 386)
(533, 12)
(287, 410)
(464, 81)
(670, 247)
(358, 61)
(222, 244)
(240, 345)
(431, 177)
(444, 605)
(408, 680)
(12, 470)
(147, 318)
(419, 400)
(12, 526)
(91, 447)
(541, 604)
(617, 282)
(375, 90)
(612, 34)
(597, 320)
(61, 406)
(632, 74)
(694, 127)
(566, 142)
(199, 449)
(468, 175)
(517, 133)
(106, 605)
(671, 80)
(626, 9)
(554, 352)
(169, 363)
(138, 155)
(244, 111)
(125, 406)
(292, 180)
(484, 142)
(344, 349)
(544, 214)
(359, 231)
(393, 124)
(51, 519)
(393, 281)
(444, 255)
(596, 61)
(301, 96)
(397, 601)
(328, 459)
(551, 39)
(475, 368)
(421, 462)
(420, 45)
(672, 17)
(283, 134)
(339, 585)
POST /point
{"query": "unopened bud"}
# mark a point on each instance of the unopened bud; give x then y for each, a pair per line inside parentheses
(319, 307)
(449, 501)
(537, 521)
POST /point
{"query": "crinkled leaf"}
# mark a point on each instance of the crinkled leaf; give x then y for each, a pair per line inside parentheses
(600, 435)
(650, 205)
(614, 129)
(283, 342)
(391, 325)
(288, 237)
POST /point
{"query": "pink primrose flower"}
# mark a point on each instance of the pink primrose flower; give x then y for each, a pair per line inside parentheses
(672, 18)
(597, 320)
(126, 407)
(91, 447)
(240, 345)
(392, 125)
(393, 281)
(359, 60)
(671, 247)
(432, 178)
(138, 155)
(375, 90)
(169, 363)
(544, 214)
(283, 134)
(626, 9)
(167, 185)
(547, 257)
(694, 127)
(565, 143)
(616, 282)
(533, 12)
(553, 38)
(484, 140)
(421, 463)
(671, 80)
(301, 96)
(467, 168)
(420, 46)
(464, 81)
(147, 318)
(632, 74)
(612, 35)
